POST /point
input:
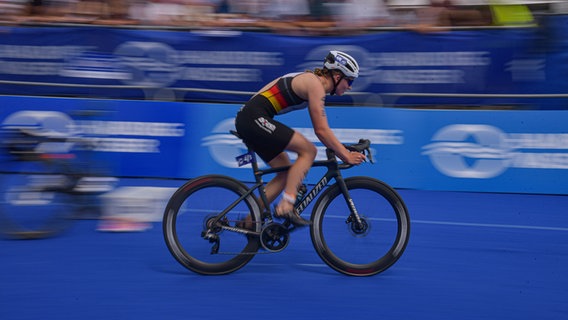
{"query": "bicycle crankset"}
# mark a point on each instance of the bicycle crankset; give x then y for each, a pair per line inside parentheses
(274, 237)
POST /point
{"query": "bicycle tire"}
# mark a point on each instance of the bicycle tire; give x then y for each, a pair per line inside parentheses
(35, 202)
(344, 247)
(187, 213)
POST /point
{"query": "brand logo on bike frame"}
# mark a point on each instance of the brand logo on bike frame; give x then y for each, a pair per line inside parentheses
(308, 199)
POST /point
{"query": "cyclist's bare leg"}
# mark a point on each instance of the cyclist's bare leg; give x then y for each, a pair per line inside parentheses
(306, 155)
(290, 180)
(275, 186)
(272, 189)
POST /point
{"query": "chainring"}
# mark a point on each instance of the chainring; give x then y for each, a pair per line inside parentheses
(274, 237)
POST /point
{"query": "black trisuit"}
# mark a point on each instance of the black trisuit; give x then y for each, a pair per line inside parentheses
(255, 121)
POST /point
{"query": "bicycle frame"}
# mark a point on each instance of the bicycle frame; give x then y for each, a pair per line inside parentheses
(354, 246)
(333, 172)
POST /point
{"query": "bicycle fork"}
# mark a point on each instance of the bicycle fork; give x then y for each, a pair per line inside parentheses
(358, 225)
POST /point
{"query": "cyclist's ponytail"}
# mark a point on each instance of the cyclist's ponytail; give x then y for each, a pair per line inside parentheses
(321, 72)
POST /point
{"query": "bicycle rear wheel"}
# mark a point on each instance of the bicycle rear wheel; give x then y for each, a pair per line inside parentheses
(366, 248)
(34, 199)
(189, 214)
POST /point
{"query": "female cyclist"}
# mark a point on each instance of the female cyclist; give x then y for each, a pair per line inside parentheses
(270, 138)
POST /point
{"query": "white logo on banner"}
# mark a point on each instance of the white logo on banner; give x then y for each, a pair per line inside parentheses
(158, 64)
(149, 63)
(482, 151)
(103, 135)
(45, 124)
(406, 67)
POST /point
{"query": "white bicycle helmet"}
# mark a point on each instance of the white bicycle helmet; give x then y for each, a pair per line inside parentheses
(337, 60)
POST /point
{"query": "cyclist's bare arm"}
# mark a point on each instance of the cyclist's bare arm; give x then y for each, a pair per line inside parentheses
(315, 93)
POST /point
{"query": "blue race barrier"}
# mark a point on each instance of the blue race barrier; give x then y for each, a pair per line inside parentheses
(461, 150)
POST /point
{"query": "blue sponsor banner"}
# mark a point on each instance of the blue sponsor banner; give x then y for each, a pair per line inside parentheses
(490, 67)
(131, 138)
(464, 150)
(487, 151)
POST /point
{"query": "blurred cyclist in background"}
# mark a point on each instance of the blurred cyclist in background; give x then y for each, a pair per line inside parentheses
(270, 139)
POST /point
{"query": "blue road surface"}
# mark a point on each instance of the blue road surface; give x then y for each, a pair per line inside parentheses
(471, 256)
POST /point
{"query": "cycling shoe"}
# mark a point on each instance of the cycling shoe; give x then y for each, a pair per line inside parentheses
(294, 218)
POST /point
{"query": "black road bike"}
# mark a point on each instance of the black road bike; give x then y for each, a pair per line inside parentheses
(359, 225)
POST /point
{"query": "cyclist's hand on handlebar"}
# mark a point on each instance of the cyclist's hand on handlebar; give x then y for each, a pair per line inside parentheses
(355, 158)
(357, 153)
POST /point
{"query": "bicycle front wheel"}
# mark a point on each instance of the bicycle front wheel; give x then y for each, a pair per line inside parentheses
(189, 228)
(366, 247)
